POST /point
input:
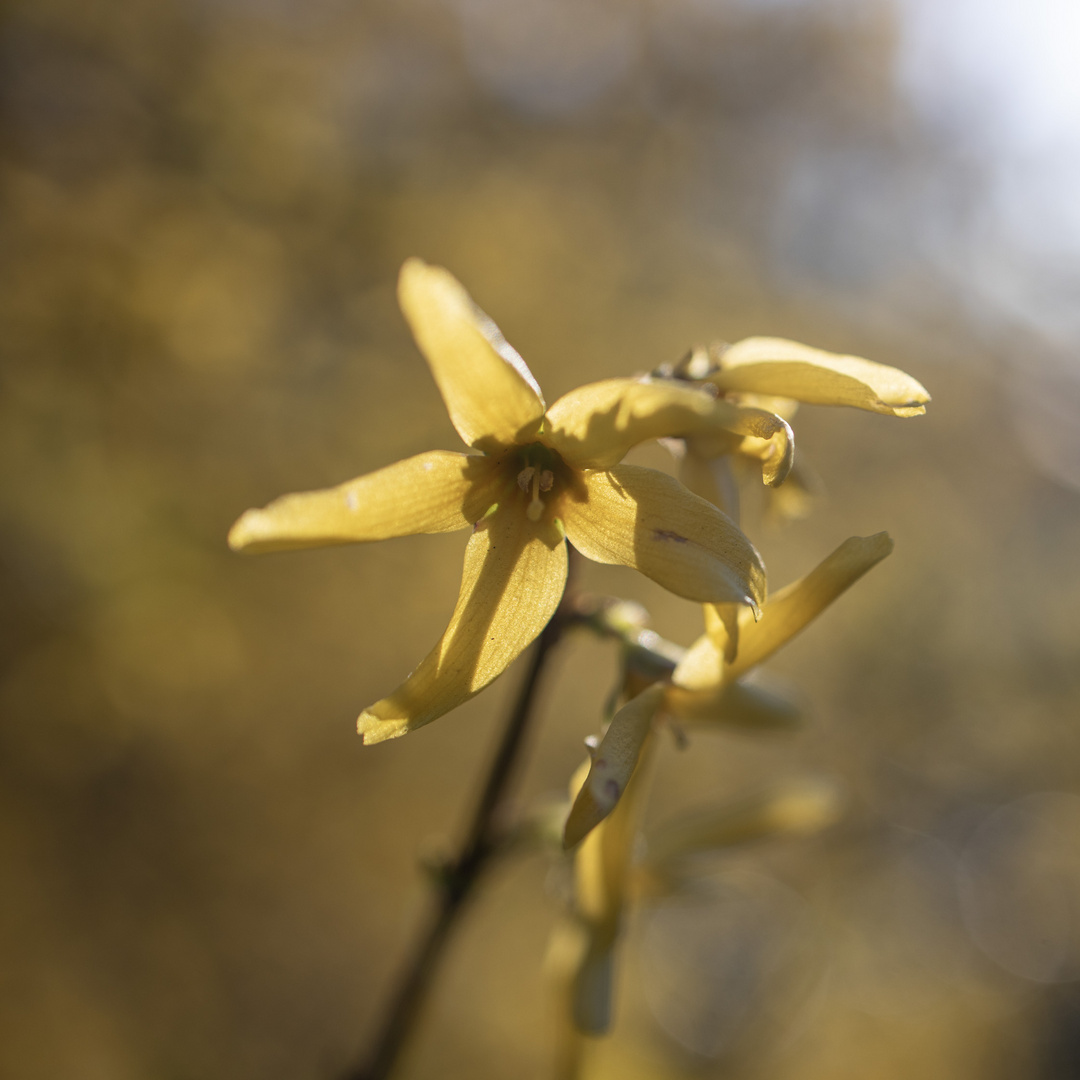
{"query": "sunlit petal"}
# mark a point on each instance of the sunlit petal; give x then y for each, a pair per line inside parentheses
(513, 580)
(790, 609)
(434, 492)
(613, 763)
(787, 369)
(646, 519)
(594, 426)
(770, 440)
(491, 395)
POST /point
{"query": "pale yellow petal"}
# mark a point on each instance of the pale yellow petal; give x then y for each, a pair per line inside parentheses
(770, 440)
(738, 704)
(787, 369)
(491, 395)
(639, 517)
(439, 491)
(613, 763)
(790, 609)
(513, 580)
(710, 477)
(796, 808)
(602, 866)
(701, 667)
(722, 625)
(594, 426)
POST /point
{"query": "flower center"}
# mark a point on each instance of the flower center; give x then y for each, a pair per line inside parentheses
(538, 480)
(539, 470)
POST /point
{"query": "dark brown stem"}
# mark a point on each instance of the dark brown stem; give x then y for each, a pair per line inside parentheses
(458, 878)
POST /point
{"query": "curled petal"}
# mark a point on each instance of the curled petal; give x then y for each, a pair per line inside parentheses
(613, 763)
(770, 440)
(513, 580)
(787, 369)
(790, 609)
(491, 395)
(594, 426)
(638, 517)
(439, 491)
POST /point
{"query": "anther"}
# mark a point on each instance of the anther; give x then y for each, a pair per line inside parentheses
(547, 480)
(524, 478)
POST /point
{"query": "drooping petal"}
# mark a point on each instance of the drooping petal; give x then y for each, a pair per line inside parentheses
(790, 609)
(613, 763)
(439, 491)
(788, 369)
(770, 440)
(738, 704)
(513, 580)
(798, 807)
(710, 477)
(491, 395)
(601, 882)
(594, 426)
(639, 517)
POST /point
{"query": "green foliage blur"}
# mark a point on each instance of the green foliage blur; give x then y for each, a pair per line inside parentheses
(205, 206)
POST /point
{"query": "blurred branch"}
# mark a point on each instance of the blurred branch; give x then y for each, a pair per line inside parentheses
(456, 879)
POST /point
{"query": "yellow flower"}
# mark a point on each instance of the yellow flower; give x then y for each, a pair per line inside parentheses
(537, 476)
(706, 687)
(774, 375)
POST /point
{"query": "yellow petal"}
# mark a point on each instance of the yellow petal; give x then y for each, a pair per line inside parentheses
(790, 609)
(787, 369)
(722, 625)
(434, 492)
(613, 764)
(710, 477)
(770, 440)
(701, 667)
(602, 866)
(492, 397)
(639, 517)
(513, 580)
(594, 426)
(738, 705)
(800, 807)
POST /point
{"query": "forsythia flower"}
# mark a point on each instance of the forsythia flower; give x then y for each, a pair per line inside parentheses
(538, 476)
(705, 686)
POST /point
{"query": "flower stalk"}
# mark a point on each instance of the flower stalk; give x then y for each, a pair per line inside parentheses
(456, 879)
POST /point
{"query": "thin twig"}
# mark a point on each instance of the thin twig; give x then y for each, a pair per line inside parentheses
(458, 878)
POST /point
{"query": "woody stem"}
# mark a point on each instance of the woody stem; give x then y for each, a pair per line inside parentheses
(457, 880)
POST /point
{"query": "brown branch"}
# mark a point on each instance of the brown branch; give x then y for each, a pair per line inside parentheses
(457, 880)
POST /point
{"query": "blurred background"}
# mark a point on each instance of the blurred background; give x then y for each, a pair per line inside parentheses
(205, 205)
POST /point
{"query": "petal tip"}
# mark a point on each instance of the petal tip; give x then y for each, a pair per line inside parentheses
(373, 729)
(584, 816)
(246, 530)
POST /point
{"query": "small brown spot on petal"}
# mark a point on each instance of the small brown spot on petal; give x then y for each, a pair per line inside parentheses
(667, 534)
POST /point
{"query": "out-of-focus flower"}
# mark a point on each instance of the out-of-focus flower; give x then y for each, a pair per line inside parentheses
(537, 477)
(607, 878)
(706, 687)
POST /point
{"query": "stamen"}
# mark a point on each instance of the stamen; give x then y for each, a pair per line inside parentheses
(547, 480)
(524, 478)
(535, 507)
